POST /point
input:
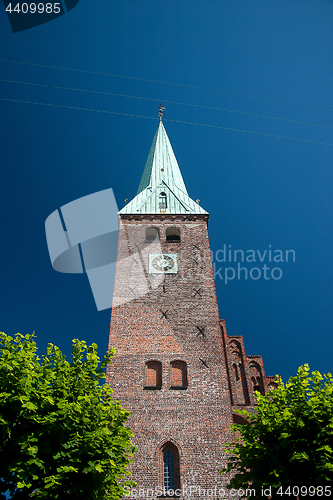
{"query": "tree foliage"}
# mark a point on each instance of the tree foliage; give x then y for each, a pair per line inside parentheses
(289, 439)
(60, 431)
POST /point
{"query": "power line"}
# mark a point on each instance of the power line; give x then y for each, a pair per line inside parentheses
(166, 119)
(166, 83)
(164, 101)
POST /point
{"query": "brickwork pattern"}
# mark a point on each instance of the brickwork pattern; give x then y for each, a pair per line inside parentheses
(171, 322)
(246, 373)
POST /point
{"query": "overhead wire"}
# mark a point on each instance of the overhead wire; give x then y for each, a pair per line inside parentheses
(165, 119)
(167, 83)
(165, 101)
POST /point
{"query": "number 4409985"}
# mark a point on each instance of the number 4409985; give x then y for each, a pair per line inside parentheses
(33, 8)
(308, 491)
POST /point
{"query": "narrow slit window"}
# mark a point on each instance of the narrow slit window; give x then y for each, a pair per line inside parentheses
(171, 467)
(169, 470)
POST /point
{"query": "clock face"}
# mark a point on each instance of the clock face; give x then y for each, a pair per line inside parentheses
(163, 263)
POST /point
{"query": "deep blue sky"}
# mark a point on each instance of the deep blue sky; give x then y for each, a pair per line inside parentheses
(259, 190)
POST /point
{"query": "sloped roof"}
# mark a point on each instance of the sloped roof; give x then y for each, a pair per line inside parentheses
(162, 179)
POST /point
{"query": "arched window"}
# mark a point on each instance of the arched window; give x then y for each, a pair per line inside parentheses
(256, 378)
(173, 235)
(178, 375)
(163, 201)
(152, 234)
(171, 472)
(153, 375)
(235, 349)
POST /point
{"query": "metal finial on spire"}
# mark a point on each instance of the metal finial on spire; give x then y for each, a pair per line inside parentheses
(160, 111)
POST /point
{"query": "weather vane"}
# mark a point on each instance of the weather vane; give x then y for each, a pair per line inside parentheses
(160, 111)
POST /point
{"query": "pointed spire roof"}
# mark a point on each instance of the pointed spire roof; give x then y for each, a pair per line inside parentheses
(162, 189)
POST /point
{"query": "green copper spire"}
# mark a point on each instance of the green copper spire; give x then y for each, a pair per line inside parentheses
(162, 189)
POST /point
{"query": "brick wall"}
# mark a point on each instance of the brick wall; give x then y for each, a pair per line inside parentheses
(175, 370)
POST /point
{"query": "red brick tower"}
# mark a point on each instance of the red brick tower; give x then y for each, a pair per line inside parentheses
(175, 369)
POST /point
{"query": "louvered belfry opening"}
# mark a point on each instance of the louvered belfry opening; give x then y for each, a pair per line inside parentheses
(173, 235)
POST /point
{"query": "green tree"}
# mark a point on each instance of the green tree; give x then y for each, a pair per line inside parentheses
(288, 441)
(61, 434)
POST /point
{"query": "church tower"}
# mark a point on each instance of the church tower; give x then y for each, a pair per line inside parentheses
(176, 370)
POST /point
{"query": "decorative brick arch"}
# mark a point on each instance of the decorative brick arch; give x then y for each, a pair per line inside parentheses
(256, 377)
(255, 370)
(169, 439)
(238, 378)
(235, 348)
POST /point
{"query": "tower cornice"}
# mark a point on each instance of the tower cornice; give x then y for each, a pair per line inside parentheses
(164, 217)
